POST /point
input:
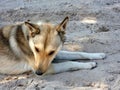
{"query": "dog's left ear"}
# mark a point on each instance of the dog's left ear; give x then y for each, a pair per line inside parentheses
(63, 24)
(61, 28)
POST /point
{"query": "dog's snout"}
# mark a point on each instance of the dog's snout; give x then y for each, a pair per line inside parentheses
(38, 72)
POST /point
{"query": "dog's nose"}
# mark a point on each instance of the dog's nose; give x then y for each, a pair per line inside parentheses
(38, 72)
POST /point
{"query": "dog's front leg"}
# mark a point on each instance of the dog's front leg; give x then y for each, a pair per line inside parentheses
(67, 55)
(68, 66)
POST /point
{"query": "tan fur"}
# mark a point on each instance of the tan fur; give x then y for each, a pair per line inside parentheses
(30, 46)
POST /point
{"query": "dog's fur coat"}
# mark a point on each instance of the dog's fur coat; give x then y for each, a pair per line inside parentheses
(33, 46)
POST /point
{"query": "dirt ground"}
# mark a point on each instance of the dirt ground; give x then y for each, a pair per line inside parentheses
(94, 27)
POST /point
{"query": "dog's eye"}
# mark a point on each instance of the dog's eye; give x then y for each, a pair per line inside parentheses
(52, 52)
(37, 49)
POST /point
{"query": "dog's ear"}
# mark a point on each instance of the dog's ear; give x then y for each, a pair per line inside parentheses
(33, 28)
(63, 24)
(61, 28)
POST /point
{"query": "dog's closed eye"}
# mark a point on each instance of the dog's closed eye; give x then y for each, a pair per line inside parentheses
(37, 49)
(51, 53)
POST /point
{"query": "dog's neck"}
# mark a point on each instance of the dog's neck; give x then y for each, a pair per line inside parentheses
(19, 42)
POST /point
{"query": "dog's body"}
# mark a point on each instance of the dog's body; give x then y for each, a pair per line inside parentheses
(33, 46)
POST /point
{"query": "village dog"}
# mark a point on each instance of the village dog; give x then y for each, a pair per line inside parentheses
(32, 46)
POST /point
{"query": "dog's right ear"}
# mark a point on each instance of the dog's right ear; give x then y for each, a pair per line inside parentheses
(33, 28)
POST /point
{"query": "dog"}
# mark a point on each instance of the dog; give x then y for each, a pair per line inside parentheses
(31, 46)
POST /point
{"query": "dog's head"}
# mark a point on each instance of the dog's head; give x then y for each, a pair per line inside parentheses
(45, 41)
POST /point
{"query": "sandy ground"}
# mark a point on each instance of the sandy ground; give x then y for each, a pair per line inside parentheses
(94, 27)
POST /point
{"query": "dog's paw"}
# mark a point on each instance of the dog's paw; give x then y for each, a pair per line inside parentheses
(98, 56)
(91, 65)
(101, 55)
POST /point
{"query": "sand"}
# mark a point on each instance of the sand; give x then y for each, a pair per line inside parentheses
(94, 26)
